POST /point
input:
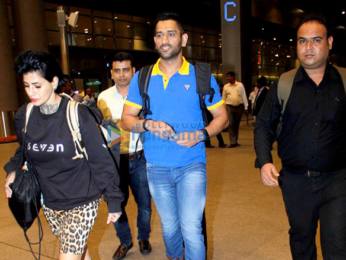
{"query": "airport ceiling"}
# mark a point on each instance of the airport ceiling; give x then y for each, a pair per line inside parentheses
(206, 13)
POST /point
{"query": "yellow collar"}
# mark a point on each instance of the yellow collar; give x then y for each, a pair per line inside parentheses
(184, 70)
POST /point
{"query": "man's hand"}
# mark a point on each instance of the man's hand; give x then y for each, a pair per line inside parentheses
(160, 129)
(188, 139)
(9, 180)
(267, 172)
(113, 217)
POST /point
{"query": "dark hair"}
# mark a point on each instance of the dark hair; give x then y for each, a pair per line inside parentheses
(65, 78)
(169, 16)
(41, 62)
(230, 73)
(121, 56)
(262, 81)
(316, 18)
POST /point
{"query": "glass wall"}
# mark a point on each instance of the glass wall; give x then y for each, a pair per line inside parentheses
(271, 59)
(108, 30)
(113, 31)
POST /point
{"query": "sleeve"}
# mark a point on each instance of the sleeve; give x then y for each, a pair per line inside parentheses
(251, 96)
(243, 96)
(101, 163)
(224, 93)
(217, 99)
(266, 125)
(134, 98)
(16, 161)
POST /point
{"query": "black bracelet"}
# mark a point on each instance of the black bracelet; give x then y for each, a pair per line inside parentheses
(143, 125)
(205, 134)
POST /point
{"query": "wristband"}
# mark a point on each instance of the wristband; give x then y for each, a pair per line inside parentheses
(205, 134)
(143, 125)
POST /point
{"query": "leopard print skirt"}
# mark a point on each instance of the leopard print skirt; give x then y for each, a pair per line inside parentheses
(72, 227)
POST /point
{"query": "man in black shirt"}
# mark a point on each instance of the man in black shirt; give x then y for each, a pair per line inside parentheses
(261, 95)
(311, 145)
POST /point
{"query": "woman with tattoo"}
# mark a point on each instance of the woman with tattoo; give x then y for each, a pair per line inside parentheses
(71, 187)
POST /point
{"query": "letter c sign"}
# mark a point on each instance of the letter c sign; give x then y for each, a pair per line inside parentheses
(229, 19)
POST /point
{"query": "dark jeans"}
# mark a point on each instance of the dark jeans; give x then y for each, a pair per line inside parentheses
(133, 173)
(309, 199)
(234, 117)
(218, 136)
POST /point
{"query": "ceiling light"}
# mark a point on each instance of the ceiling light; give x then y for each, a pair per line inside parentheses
(298, 11)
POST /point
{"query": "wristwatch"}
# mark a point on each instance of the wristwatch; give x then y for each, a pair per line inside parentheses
(205, 134)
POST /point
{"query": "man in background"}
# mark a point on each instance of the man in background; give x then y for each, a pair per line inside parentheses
(262, 92)
(235, 98)
(67, 89)
(132, 171)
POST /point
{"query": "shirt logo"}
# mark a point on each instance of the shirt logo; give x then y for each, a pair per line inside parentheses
(187, 87)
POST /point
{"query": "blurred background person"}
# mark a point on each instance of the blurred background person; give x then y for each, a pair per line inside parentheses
(69, 89)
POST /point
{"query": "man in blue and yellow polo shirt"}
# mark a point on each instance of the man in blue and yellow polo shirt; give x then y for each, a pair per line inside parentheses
(174, 135)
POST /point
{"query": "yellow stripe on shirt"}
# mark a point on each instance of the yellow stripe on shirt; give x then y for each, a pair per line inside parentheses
(129, 103)
(216, 105)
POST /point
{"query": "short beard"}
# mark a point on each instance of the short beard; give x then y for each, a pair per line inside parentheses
(175, 52)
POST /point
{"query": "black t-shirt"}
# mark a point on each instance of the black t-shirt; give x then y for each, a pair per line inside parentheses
(314, 125)
(67, 182)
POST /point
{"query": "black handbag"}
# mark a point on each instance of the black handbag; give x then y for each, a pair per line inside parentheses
(25, 202)
(26, 195)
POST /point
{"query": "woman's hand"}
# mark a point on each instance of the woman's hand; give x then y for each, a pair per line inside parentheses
(9, 180)
(113, 217)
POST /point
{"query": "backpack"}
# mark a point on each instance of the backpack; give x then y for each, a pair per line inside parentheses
(285, 85)
(26, 194)
(203, 76)
(73, 124)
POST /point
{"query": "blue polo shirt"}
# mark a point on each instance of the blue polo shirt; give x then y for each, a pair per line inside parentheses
(174, 101)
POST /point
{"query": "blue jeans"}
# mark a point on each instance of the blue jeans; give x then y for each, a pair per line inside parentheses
(133, 173)
(179, 194)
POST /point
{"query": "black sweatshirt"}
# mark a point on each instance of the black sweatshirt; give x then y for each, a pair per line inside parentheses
(313, 135)
(66, 182)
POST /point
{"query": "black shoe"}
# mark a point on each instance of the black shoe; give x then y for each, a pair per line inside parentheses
(209, 146)
(232, 145)
(122, 251)
(237, 144)
(144, 246)
(222, 145)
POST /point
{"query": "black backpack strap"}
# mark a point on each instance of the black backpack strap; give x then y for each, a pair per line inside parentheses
(143, 83)
(203, 77)
(285, 85)
(342, 72)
